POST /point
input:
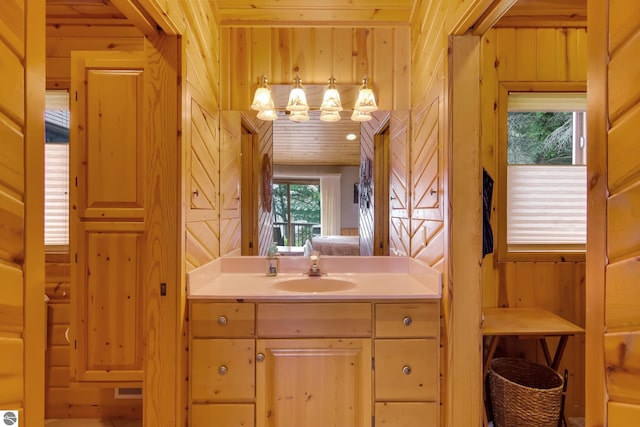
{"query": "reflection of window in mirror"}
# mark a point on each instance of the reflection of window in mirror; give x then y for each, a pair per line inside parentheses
(56, 172)
(296, 210)
(546, 173)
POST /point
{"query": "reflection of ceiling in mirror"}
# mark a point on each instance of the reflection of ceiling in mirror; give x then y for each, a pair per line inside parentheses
(315, 142)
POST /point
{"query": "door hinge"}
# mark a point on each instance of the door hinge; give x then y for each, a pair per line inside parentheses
(250, 245)
(75, 344)
(373, 363)
(76, 181)
(373, 421)
(76, 257)
(76, 96)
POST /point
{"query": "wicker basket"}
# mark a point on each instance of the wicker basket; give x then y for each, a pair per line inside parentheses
(524, 394)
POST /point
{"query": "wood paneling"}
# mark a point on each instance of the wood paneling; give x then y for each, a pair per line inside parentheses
(615, 37)
(334, 12)
(535, 57)
(248, 53)
(545, 13)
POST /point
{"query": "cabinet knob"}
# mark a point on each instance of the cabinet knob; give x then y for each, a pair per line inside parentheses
(407, 321)
(222, 370)
(260, 357)
(406, 369)
(222, 320)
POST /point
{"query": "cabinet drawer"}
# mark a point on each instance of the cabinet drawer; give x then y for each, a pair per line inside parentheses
(314, 320)
(224, 415)
(213, 319)
(407, 414)
(222, 370)
(406, 370)
(407, 320)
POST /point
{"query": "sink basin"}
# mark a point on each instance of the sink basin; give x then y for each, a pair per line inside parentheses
(314, 284)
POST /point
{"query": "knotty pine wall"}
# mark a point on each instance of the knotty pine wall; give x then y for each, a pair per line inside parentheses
(21, 206)
(613, 380)
(383, 54)
(62, 399)
(526, 57)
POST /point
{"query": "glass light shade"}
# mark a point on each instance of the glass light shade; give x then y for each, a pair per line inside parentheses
(366, 100)
(297, 100)
(299, 116)
(262, 99)
(360, 116)
(331, 97)
(330, 116)
(267, 115)
(297, 97)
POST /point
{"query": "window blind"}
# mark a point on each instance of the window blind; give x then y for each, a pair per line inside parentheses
(56, 194)
(546, 205)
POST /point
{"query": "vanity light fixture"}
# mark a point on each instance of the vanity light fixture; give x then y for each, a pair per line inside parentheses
(297, 97)
(298, 107)
(331, 102)
(262, 99)
(360, 116)
(299, 116)
(366, 102)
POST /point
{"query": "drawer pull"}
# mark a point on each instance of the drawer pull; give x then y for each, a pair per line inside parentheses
(222, 320)
(406, 369)
(222, 370)
(260, 357)
(407, 321)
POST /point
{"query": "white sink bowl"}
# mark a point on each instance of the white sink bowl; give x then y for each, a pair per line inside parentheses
(314, 284)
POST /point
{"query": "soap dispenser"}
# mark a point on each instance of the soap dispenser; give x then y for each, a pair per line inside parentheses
(273, 260)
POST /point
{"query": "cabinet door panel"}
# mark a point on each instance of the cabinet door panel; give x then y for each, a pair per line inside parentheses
(222, 370)
(406, 370)
(407, 414)
(222, 414)
(314, 383)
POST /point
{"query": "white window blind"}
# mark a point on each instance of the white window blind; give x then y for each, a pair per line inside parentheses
(56, 170)
(56, 194)
(546, 205)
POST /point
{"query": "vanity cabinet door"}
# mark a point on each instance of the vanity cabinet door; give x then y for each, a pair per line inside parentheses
(406, 370)
(222, 370)
(313, 382)
(222, 415)
(407, 414)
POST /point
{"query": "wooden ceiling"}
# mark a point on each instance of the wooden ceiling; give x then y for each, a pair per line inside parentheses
(326, 12)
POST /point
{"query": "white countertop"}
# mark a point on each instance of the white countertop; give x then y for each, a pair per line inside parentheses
(366, 278)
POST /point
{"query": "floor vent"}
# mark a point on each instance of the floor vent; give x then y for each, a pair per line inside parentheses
(127, 393)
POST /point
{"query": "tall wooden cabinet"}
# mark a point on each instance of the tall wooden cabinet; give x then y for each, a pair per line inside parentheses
(107, 203)
(347, 364)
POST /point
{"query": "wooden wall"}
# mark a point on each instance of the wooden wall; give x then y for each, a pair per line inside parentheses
(613, 324)
(201, 149)
(383, 54)
(21, 209)
(62, 399)
(551, 59)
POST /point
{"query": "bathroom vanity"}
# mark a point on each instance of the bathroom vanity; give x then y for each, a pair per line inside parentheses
(354, 346)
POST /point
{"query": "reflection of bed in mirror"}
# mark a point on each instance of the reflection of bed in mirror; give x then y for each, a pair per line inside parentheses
(336, 245)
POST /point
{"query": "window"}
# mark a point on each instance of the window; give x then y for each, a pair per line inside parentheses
(296, 207)
(546, 172)
(56, 171)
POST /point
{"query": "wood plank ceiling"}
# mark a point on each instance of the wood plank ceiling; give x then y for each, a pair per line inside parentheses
(322, 143)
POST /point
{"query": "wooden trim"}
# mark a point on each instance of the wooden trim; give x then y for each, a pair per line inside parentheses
(163, 222)
(460, 22)
(491, 16)
(464, 391)
(501, 176)
(597, 131)
(34, 334)
(136, 16)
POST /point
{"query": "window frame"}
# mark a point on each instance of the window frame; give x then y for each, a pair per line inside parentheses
(502, 253)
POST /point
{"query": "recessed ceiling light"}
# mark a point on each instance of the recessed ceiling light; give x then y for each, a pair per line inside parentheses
(351, 137)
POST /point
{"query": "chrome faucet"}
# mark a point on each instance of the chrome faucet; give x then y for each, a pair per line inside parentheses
(314, 270)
